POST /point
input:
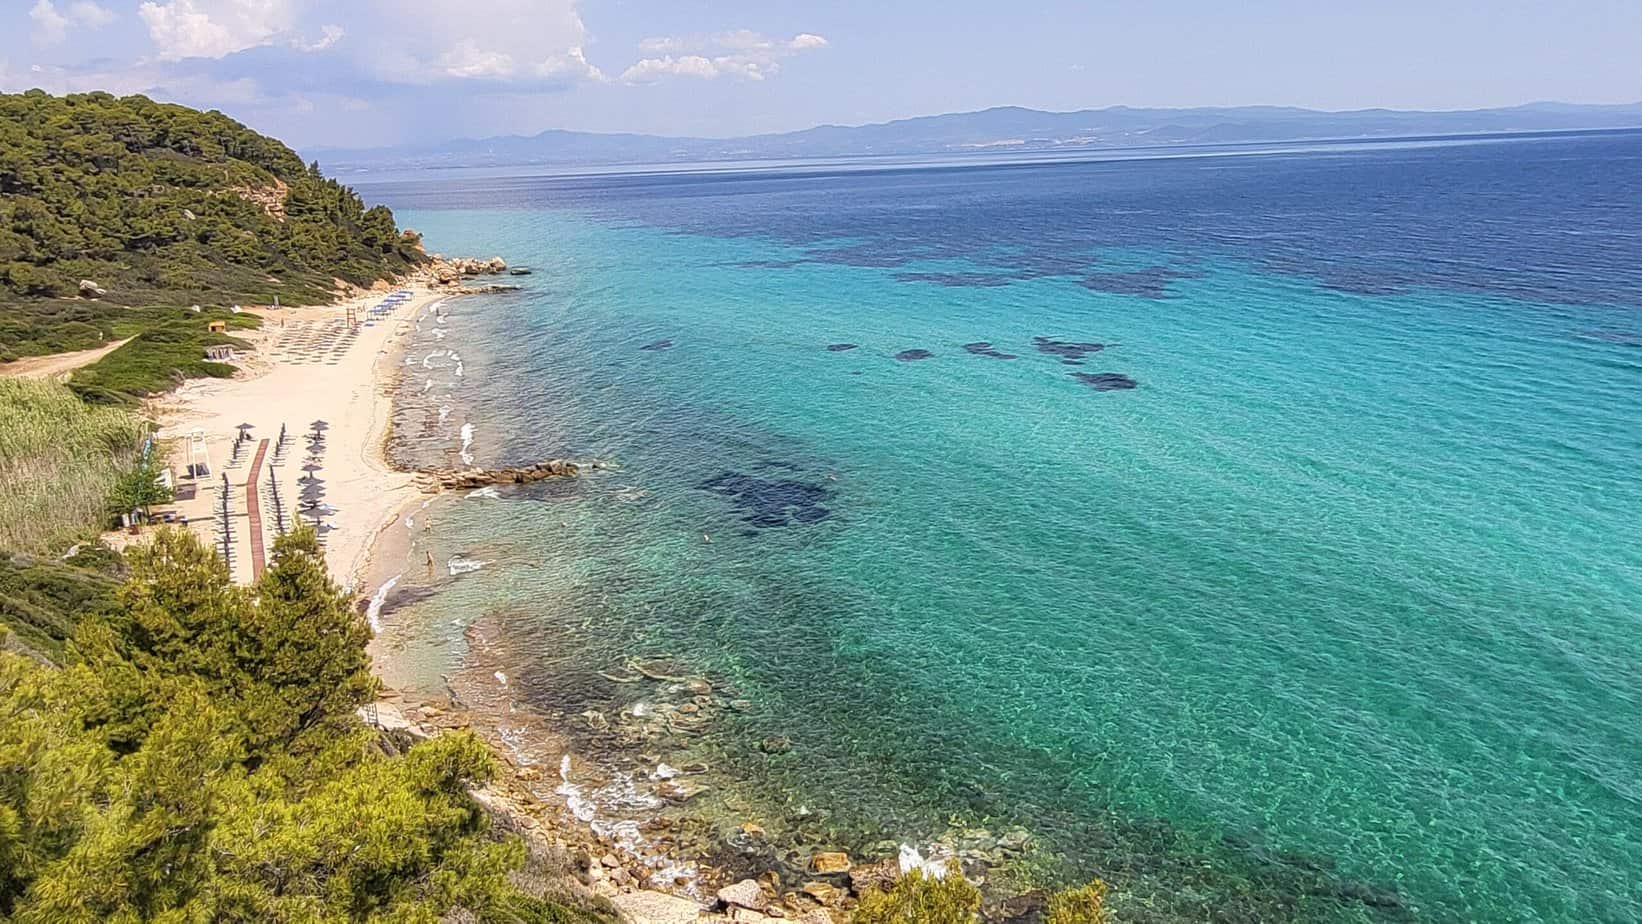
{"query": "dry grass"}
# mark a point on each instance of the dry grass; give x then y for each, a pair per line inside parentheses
(58, 458)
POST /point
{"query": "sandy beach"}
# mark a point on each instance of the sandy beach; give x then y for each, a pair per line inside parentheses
(313, 374)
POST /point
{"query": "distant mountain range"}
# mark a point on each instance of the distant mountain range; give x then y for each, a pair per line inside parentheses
(1008, 129)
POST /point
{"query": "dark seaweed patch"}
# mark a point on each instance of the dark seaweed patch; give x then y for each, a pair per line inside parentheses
(839, 347)
(658, 346)
(770, 503)
(908, 356)
(1066, 349)
(960, 280)
(1104, 381)
(1152, 282)
(984, 348)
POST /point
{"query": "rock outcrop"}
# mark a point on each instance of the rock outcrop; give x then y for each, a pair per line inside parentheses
(445, 272)
(433, 481)
(89, 289)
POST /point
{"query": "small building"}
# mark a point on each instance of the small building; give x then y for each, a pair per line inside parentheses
(219, 353)
(217, 327)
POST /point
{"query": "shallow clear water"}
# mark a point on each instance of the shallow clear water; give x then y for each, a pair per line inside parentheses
(1351, 579)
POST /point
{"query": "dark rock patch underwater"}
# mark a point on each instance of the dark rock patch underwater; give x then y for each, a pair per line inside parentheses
(768, 503)
(984, 348)
(908, 356)
(1105, 381)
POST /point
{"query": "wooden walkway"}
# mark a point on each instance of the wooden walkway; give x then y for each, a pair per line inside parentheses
(253, 512)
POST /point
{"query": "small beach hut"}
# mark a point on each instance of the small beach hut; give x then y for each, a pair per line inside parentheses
(217, 327)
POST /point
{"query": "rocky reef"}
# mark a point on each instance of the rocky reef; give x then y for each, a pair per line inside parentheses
(433, 481)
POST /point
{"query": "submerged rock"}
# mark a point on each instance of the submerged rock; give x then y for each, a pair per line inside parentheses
(1066, 349)
(658, 346)
(1105, 381)
(829, 862)
(907, 356)
(984, 348)
(839, 347)
(771, 502)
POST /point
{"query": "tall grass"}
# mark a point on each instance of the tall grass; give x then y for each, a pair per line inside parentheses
(58, 458)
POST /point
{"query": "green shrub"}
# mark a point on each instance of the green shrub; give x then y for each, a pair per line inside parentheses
(1083, 905)
(919, 899)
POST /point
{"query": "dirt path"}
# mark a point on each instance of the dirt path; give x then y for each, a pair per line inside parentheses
(57, 365)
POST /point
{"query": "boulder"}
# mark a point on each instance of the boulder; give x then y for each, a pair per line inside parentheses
(744, 894)
(657, 908)
(89, 289)
(877, 875)
(824, 892)
(828, 862)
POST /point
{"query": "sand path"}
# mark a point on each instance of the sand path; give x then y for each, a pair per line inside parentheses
(57, 366)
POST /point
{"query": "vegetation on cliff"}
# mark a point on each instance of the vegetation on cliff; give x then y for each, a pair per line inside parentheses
(162, 205)
(198, 757)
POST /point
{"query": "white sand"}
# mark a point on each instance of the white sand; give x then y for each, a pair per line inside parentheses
(304, 368)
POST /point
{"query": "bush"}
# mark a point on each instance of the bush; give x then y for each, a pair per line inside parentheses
(919, 899)
(1085, 905)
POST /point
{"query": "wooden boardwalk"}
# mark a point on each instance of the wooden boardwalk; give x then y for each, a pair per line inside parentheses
(253, 512)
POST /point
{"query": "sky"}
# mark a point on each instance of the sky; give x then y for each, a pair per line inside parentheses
(370, 73)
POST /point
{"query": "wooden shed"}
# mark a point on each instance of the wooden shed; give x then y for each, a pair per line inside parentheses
(217, 327)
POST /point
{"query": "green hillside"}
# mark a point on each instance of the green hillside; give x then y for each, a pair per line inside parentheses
(162, 205)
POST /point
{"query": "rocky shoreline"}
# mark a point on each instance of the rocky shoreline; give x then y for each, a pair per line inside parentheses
(676, 866)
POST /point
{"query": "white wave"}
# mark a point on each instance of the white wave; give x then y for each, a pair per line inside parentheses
(467, 443)
(410, 522)
(458, 368)
(460, 565)
(575, 798)
(439, 333)
(911, 859)
(501, 678)
(374, 609)
(444, 411)
(488, 491)
(427, 385)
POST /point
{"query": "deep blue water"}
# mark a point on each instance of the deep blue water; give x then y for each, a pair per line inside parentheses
(1335, 614)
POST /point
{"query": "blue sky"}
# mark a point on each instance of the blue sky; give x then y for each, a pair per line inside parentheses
(362, 73)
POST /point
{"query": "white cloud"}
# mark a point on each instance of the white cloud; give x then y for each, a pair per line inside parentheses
(468, 60)
(498, 40)
(214, 28)
(742, 54)
(51, 25)
(91, 15)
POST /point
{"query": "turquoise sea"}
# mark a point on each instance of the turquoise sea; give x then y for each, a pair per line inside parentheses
(1335, 614)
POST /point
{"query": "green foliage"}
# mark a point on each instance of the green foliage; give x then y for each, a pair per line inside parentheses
(138, 490)
(161, 204)
(919, 899)
(42, 601)
(198, 759)
(1083, 905)
(170, 348)
(59, 459)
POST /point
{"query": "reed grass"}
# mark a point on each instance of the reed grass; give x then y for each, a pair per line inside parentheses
(59, 456)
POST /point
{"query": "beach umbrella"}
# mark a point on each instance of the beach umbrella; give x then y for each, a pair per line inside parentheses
(312, 467)
(320, 425)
